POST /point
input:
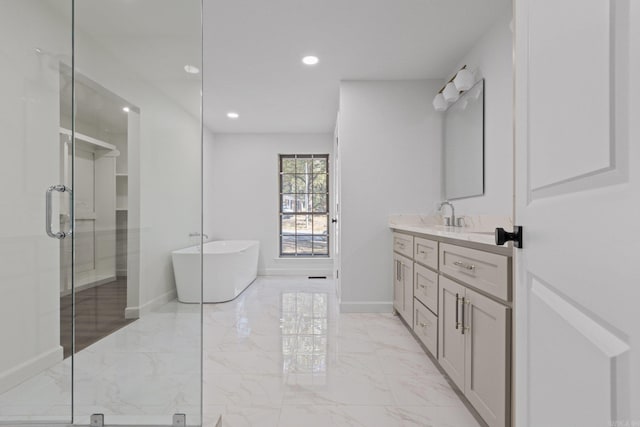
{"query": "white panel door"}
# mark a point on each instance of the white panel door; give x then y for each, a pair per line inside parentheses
(336, 211)
(577, 353)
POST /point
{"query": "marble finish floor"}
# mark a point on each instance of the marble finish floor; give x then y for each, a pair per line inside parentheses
(139, 375)
(279, 355)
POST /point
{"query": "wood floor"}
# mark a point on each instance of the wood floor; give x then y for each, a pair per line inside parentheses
(99, 312)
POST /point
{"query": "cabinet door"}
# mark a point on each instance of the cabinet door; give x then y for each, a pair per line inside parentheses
(398, 288)
(451, 340)
(405, 291)
(486, 355)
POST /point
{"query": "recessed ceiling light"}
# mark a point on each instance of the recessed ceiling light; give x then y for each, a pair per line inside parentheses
(126, 109)
(233, 115)
(191, 69)
(310, 60)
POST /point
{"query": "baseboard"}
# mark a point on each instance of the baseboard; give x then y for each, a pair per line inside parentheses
(288, 271)
(132, 312)
(100, 282)
(139, 311)
(366, 307)
(26, 370)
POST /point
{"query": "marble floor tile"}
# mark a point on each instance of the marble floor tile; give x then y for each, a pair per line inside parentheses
(279, 355)
(424, 390)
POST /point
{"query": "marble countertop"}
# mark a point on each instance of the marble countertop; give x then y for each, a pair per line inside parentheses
(459, 233)
(477, 230)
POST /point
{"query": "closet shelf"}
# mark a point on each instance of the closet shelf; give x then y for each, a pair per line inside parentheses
(93, 141)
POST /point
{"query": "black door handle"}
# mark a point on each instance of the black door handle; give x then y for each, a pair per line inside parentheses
(503, 236)
(333, 220)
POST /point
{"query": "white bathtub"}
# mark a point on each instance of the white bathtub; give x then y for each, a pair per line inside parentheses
(230, 266)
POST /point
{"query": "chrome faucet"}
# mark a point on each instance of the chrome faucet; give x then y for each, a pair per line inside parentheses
(452, 219)
(198, 235)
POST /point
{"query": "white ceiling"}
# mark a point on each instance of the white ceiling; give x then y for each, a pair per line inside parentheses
(252, 50)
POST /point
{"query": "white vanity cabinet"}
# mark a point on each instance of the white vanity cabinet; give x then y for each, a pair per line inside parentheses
(456, 297)
(473, 348)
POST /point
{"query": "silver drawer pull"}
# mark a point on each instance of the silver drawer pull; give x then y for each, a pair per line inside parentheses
(470, 267)
(400, 245)
(422, 252)
(423, 325)
(422, 286)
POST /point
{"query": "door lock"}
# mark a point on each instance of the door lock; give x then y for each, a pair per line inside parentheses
(503, 236)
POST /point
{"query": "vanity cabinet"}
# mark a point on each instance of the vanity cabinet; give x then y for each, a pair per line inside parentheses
(457, 300)
(451, 340)
(403, 287)
(473, 349)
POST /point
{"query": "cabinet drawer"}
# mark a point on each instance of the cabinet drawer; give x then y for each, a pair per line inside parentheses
(426, 252)
(483, 270)
(425, 287)
(403, 244)
(425, 325)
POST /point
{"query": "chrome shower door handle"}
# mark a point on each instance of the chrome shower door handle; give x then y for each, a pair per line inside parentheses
(60, 189)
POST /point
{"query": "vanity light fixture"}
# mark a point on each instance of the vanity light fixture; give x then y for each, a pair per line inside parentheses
(126, 109)
(310, 60)
(463, 80)
(233, 115)
(191, 69)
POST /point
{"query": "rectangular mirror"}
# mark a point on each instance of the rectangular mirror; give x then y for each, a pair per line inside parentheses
(463, 151)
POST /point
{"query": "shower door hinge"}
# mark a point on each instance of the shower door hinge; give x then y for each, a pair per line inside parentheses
(179, 420)
(97, 420)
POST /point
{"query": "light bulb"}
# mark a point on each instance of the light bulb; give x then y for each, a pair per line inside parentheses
(464, 80)
(450, 93)
(439, 103)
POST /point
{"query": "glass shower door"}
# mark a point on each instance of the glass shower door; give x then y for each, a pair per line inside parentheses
(101, 159)
(137, 189)
(35, 250)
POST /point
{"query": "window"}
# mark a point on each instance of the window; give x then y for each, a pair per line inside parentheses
(304, 205)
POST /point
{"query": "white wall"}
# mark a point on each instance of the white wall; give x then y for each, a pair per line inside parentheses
(241, 193)
(491, 59)
(390, 145)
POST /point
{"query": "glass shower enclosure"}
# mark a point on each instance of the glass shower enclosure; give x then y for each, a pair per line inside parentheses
(100, 129)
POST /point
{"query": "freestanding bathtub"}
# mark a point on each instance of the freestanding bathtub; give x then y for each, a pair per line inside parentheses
(229, 267)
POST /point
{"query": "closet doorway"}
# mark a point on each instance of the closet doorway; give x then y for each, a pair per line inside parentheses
(101, 166)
